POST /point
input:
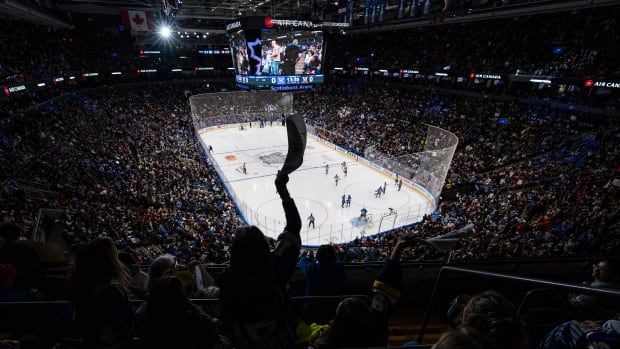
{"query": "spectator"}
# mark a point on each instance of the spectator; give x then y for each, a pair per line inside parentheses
(324, 277)
(360, 325)
(253, 289)
(169, 320)
(605, 274)
(586, 334)
(495, 317)
(22, 257)
(197, 281)
(99, 287)
(139, 279)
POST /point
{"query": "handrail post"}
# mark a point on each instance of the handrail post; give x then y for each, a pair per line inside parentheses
(429, 307)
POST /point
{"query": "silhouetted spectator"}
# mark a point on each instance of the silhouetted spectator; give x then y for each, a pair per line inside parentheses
(99, 287)
(169, 320)
(324, 277)
(358, 324)
(22, 257)
(253, 298)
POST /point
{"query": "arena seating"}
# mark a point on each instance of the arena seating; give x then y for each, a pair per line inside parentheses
(116, 231)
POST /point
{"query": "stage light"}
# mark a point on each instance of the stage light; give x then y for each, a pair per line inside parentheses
(164, 32)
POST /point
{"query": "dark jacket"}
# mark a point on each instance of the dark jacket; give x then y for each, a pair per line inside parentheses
(265, 308)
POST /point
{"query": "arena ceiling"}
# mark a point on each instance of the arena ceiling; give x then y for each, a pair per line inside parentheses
(206, 14)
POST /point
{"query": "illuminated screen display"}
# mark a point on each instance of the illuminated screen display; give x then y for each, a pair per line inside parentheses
(296, 52)
(276, 57)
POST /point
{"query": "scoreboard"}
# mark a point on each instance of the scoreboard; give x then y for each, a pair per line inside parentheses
(280, 55)
(280, 82)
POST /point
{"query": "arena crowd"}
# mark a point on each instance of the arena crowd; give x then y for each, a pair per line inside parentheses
(131, 188)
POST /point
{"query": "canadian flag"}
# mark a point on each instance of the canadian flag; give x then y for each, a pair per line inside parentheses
(138, 21)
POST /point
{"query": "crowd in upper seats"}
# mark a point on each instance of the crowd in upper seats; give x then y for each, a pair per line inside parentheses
(574, 44)
(37, 52)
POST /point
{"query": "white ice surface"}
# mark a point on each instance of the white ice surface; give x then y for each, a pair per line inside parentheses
(263, 151)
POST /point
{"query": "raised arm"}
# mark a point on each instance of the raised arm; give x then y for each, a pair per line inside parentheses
(289, 241)
(293, 220)
(386, 290)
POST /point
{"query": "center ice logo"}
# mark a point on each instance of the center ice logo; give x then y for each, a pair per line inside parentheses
(270, 159)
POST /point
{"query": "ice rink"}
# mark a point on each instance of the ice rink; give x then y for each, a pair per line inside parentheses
(263, 151)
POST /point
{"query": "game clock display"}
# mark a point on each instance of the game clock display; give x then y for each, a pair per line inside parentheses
(261, 82)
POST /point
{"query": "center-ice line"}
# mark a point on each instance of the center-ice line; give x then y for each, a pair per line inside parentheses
(242, 150)
(305, 156)
(273, 174)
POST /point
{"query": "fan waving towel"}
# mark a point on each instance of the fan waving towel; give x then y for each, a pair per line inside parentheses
(296, 130)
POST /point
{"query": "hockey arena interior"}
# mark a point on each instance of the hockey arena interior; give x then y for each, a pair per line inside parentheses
(310, 174)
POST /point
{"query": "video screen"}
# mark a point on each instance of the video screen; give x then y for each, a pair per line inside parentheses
(298, 52)
(240, 53)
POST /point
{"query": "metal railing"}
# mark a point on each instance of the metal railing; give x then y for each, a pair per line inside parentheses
(519, 279)
(200, 301)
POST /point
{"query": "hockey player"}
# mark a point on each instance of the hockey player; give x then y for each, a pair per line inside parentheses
(363, 213)
(400, 184)
(336, 179)
(384, 186)
(244, 169)
(396, 179)
(344, 200)
(343, 165)
(344, 169)
(311, 221)
(348, 200)
(378, 192)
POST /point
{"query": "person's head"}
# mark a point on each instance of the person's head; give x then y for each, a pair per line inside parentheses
(295, 42)
(10, 233)
(606, 271)
(350, 328)
(250, 255)
(160, 267)
(326, 255)
(463, 338)
(97, 263)
(495, 317)
(274, 43)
